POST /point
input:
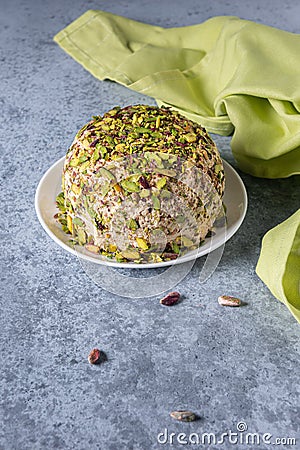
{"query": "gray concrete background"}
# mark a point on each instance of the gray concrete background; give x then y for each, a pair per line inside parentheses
(226, 365)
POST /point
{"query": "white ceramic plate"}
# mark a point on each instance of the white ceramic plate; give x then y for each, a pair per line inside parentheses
(235, 199)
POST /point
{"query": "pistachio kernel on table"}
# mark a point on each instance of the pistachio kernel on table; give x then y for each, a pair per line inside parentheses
(227, 300)
(183, 416)
(121, 178)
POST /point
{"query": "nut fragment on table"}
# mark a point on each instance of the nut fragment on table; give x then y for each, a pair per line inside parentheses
(94, 356)
(183, 416)
(170, 299)
(228, 300)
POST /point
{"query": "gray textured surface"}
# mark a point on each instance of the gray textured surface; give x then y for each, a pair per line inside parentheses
(226, 365)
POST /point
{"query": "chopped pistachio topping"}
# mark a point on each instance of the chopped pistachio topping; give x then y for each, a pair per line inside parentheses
(154, 142)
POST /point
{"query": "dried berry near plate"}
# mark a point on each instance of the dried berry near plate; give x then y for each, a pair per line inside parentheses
(170, 299)
(95, 356)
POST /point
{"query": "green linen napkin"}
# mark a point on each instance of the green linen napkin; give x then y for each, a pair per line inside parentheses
(226, 73)
(279, 263)
(230, 75)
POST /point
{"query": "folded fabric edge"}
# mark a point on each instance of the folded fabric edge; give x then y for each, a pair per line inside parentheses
(62, 38)
(224, 127)
(283, 166)
(272, 278)
(291, 276)
(73, 26)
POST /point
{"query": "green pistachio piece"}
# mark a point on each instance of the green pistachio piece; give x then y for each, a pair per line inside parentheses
(95, 155)
(180, 218)
(63, 221)
(92, 248)
(161, 182)
(142, 130)
(145, 193)
(156, 134)
(130, 254)
(132, 224)
(79, 133)
(175, 248)
(136, 176)
(70, 224)
(60, 200)
(76, 189)
(130, 186)
(112, 248)
(152, 156)
(61, 195)
(187, 242)
(62, 208)
(106, 173)
(105, 188)
(120, 147)
(84, 166)
(74, 162)
(65, 229)
(168, 172)
(77, 221)
(165, 156)
(81, 236)
(142, 243)
(172, 158)
(103, 150)
(91, 212)
(218, 168)
(156, 202)
(190, 137)
(165, 194)
(108, 138)
(86, 144)
(114, 111)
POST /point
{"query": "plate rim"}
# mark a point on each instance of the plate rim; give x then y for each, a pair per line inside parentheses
(123, 265)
